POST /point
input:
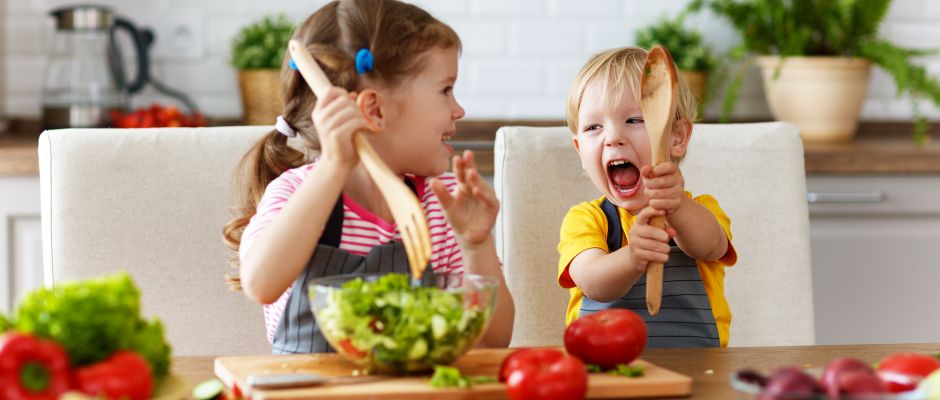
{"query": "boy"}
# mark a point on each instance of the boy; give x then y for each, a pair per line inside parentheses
(607, 243)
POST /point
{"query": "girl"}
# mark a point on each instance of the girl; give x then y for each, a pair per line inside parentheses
(297, 215)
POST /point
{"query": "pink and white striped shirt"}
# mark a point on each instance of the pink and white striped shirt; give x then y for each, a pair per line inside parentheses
(362, 230)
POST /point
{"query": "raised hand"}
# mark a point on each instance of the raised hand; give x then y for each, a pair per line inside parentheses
(472, 207)
(336, 118)
(665, 186)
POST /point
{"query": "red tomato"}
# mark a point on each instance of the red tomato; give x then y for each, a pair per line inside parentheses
(607, 338)
(544, 374)
(902, 371)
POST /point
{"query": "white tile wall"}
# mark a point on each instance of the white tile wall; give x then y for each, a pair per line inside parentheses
(519, 55)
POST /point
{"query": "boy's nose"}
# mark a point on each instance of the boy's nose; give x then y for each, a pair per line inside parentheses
(614, 138)
(458, 112)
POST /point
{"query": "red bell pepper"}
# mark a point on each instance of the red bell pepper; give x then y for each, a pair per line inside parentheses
(32, 368)
(125, 374)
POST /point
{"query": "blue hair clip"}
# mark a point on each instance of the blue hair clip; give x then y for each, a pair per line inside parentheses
(364, 61)
(292, 65)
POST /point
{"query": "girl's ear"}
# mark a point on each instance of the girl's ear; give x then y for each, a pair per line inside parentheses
(577, 146)
(370, 104)
(681, 133)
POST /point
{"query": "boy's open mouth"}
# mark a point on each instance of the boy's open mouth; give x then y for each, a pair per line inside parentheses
(624, 177)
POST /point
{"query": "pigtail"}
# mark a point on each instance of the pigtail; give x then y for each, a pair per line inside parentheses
(263, 163)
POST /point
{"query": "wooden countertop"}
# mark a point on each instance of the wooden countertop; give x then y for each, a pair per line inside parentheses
(879, 148)
(710, 369)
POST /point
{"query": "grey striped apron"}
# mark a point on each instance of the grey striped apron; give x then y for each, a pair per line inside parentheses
(297, 331)
(685, 317)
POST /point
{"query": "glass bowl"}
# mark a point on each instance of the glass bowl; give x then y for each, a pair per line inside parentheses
(384, 324)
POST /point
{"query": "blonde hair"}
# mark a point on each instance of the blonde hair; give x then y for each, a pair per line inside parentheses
(620, 69)
(396, 33)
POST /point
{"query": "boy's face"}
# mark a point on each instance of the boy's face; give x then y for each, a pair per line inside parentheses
(613, 144)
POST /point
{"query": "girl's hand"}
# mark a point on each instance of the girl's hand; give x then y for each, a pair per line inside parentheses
(472, 209)
(665, 186)
(648, 243)
(336, 118)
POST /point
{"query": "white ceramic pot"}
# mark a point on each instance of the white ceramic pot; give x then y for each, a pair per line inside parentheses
(822, 95)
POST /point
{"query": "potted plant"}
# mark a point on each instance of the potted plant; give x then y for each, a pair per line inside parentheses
(694, 60)
(816, 56)
(257, 52)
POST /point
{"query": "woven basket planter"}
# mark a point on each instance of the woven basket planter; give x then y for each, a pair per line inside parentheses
(261, 95)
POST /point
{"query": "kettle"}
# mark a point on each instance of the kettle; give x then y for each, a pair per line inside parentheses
(85, 79)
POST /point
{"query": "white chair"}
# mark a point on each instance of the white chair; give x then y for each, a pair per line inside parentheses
(152, 202)
(755, 171)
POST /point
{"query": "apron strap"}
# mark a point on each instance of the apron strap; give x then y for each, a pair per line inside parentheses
(333, 229)
(614, 229)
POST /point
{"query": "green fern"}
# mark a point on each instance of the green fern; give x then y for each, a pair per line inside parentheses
(825, 28)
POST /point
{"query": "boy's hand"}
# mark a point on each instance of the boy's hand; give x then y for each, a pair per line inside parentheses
(336, 118)
(473, 206)
(648, 243)
(665, 186)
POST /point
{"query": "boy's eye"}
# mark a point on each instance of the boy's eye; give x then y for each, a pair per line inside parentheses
(634, 120)
(591, 127)
(448, 90)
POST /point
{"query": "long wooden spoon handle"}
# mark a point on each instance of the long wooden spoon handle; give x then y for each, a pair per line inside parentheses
(654, 276)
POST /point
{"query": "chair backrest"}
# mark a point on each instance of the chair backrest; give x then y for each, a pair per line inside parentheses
(755, 171)
(152, 202)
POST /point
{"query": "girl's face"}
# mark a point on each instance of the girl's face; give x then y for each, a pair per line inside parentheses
(421, 116)
(613, 144)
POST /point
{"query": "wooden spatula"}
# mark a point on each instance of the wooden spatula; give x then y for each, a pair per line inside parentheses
(658, 93)
(401, 200)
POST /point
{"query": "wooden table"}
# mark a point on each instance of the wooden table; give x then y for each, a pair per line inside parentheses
(709, 368)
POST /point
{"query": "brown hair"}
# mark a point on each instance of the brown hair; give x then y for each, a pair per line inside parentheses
(619, 69)
(396, 33)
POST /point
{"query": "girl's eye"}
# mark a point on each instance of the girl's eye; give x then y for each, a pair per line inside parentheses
(634, 120)
(591, 127)
(448, 90)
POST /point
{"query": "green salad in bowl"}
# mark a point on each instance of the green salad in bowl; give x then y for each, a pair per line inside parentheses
(384, 324)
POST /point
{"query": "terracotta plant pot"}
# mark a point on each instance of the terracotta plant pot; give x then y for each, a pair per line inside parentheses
(261, 95)
(822, 95)
(697, 81)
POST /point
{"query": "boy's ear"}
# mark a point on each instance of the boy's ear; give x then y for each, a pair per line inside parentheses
(574, 142)
(681, 133)
(370, 104)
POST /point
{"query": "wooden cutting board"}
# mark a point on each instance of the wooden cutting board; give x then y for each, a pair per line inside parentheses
(657, 382)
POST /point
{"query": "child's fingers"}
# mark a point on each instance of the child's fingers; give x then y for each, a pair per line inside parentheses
(649, 232)
(469, 159)
(482, 190)
(443, 195)
(646, 172)
(643, 218)
(459, 166)
(650, 256)
(665, 168)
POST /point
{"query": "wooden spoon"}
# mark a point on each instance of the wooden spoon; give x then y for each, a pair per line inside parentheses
(658, 93)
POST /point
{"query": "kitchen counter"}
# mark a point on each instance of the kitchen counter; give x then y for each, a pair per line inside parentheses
(879, 148)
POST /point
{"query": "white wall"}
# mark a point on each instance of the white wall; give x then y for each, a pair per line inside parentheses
(519, 58)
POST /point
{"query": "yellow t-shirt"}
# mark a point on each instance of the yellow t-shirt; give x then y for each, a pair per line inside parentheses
(585, 227)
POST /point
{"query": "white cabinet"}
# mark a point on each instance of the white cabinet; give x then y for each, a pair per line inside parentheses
(20, 239)
(876, 258)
